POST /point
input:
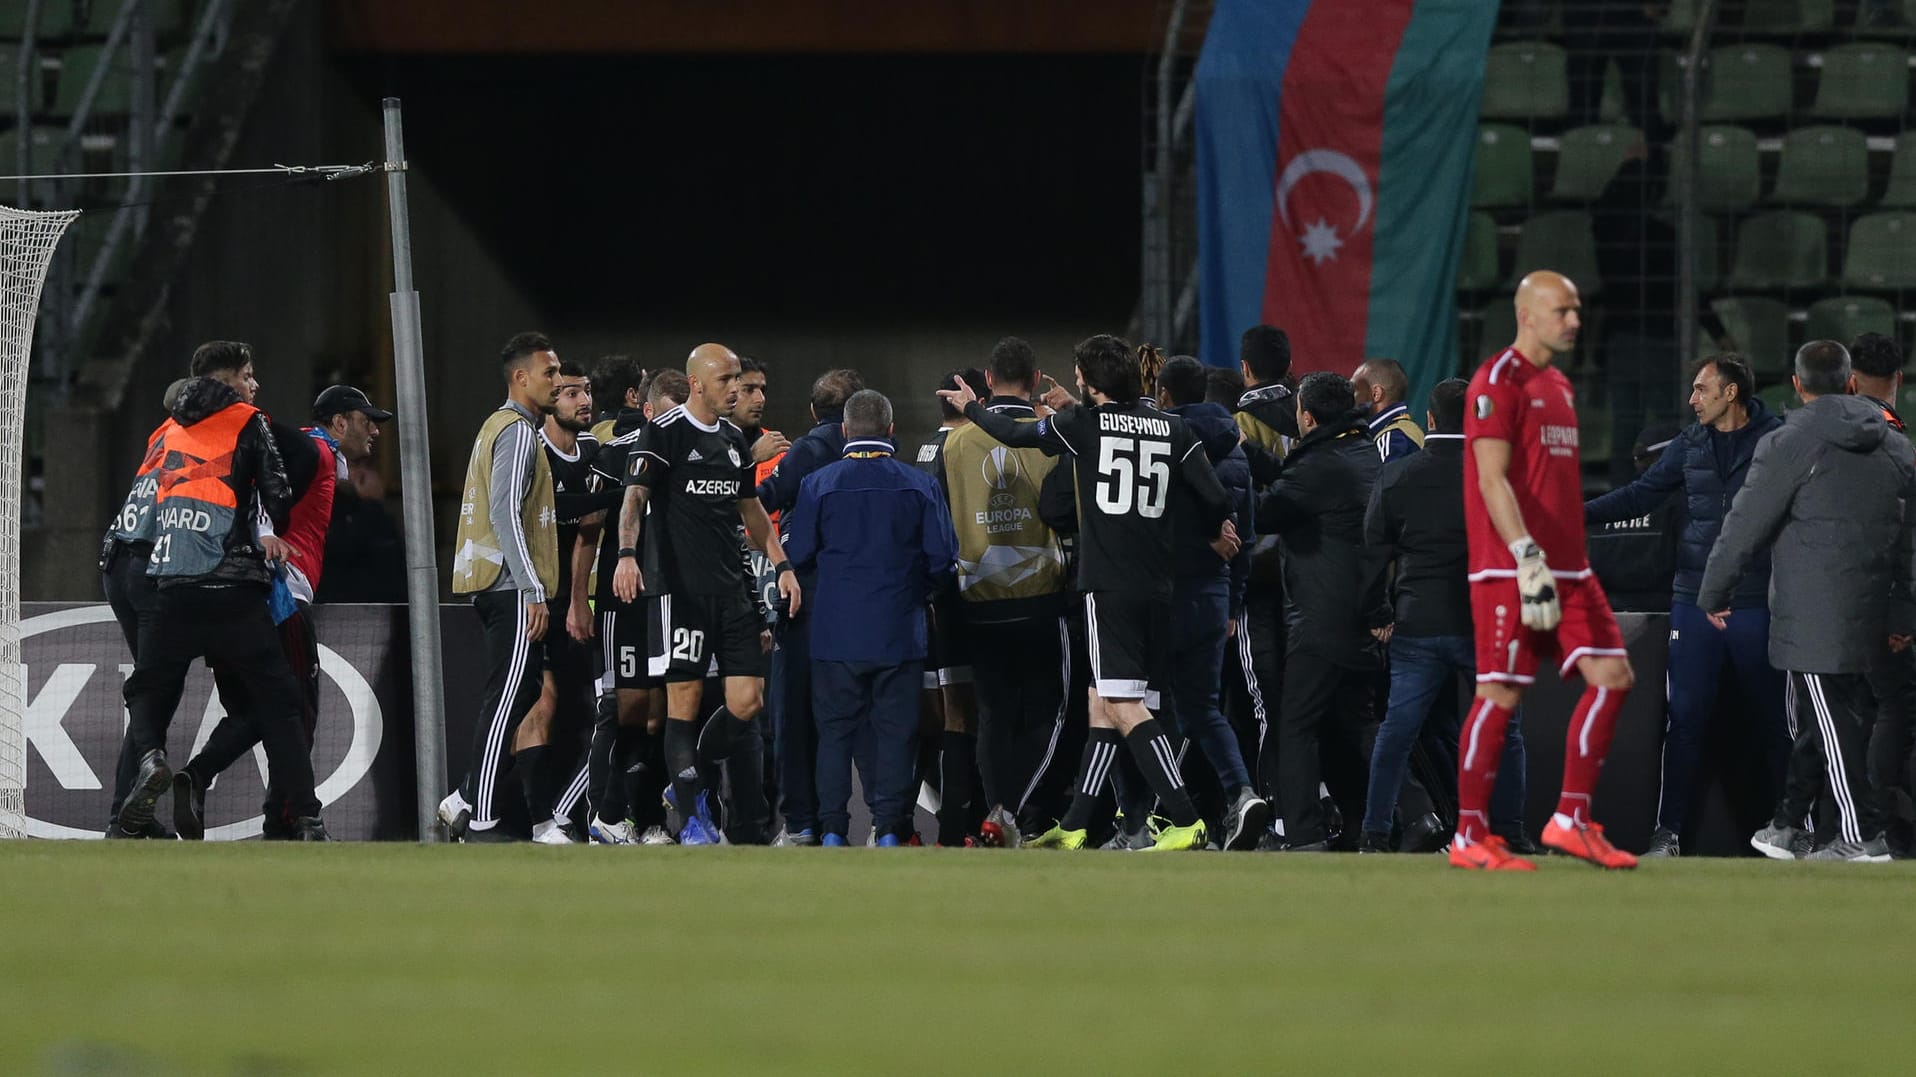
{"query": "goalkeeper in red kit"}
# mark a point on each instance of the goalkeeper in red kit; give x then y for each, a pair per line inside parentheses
(1531, 589)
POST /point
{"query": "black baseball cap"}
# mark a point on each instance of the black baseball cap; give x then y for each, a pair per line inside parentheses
(340, 399)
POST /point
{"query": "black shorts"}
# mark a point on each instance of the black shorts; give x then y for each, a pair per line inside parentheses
(1128, 636)
(698, 636)
(569, 661)
(947, 658)
(623, 648)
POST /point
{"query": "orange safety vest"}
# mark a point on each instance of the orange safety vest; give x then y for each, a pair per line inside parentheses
(195, 501)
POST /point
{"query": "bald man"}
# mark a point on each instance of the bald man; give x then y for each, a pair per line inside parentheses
(693, 471)
(1531, 589)
(1380, 386)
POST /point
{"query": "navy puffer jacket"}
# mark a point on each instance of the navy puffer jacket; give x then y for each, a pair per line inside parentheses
(1708, 466)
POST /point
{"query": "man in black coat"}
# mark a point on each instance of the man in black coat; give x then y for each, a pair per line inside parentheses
(1335, 610)
(1416, 518)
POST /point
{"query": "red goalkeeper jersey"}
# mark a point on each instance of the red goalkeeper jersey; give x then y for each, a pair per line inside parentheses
(1535, 411)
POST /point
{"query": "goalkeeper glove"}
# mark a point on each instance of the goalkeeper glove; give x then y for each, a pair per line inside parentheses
(1538, 587)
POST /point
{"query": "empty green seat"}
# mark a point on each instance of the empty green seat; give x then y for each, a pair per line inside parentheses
(1731, 178)
(1502, 175)
(1845, 317)
(1906, 400)
(1498, 327)
(1902, 171)
(1560, 240)
(1760, 329)
(1868, 80)
(1588, 159)
(1594, 435)
(1477, 267)
(1823, 166)
(1788, 16)
(1526, 80)
(1746, 82)
(1882, 251)
(76, 68)
(1780, 398)
(1780, 249)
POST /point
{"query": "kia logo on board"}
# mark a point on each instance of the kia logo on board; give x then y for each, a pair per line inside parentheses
(74, 721)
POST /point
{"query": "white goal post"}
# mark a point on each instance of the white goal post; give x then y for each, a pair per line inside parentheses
(27, 240)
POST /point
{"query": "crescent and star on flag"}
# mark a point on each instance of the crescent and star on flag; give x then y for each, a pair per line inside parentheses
(1321, 239)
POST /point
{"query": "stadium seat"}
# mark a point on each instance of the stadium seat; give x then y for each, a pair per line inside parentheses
(1882, 251)
(76, 67)
(1788, 16)
(1867, 80)
(1823, 166)
(1760, 329)
(1502, 175)
(1498, 322)
(1562, 240)
(1594, 431)
(1780, 398)
(1526, 80)
(1477, 268)
(1746, 82)
(1780, 249)
(1731, 179)
(56, 19)
(1588, 159)
(1845, 317)
(1679, 17)
(1906, 401)
(1902, 172)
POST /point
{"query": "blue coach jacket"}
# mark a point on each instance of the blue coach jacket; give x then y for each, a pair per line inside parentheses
(1708, 467)
(878, 535)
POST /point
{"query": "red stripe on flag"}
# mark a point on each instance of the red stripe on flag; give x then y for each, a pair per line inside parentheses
(1330, 142)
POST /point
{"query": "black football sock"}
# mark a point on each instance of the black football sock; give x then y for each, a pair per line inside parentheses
(536, 778)
(957, 763)
(632, 749)
(720, 735)
(1094, 769)
(1159, 762)
(682, 763)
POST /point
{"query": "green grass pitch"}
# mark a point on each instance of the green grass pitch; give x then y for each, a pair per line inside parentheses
(263, 959)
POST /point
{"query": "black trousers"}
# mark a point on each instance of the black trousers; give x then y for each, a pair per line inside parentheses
(883, 700)
(513, 681)
(1892, 681)
(1022, 670)
(233, 737)
(133, 596)
(1833, 713)
(230, 628)
(1323, 702)
(1254, 681)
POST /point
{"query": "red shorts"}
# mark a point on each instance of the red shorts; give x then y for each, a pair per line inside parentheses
(1508, 652)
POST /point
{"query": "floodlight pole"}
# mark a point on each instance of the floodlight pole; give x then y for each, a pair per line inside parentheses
(415, 476)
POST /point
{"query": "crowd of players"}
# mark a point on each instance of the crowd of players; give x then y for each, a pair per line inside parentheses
(1225, 593)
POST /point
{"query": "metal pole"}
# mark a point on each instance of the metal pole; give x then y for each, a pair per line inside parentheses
(1689, 150)
(415, 476)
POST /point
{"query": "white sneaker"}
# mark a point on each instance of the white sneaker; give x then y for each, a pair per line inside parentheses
(454, 814)
(552, 832)
(655, 835)
(604, 833)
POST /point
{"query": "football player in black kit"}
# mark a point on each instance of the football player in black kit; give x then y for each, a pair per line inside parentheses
(693, 466)
(550, 729)
(1137, 469)
(626, 766)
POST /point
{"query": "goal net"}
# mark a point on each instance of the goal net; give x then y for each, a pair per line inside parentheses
(27, 240)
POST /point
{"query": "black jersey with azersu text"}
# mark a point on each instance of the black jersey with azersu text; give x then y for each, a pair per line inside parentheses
(1137, 468)
(573, 483)
(696, 475)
